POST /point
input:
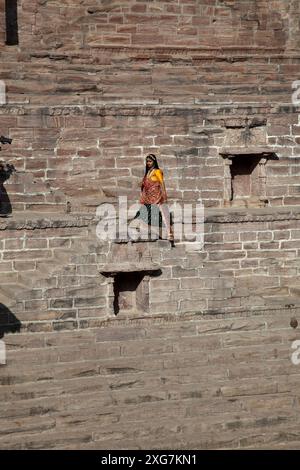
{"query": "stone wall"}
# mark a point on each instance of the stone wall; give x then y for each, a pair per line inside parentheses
(86, 155)
(186, 23)
(56, 273)
(140, 345)
(160, 75)
(220, 376)
(190, 382)
(76, 119)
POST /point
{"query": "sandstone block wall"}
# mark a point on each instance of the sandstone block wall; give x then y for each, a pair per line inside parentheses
(137, 345)
(88, 155)
(189, 382)
(56, 273)
(76, 117)
(186, 23)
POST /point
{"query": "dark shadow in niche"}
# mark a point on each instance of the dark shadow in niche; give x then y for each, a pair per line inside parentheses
(131, 291)
(9, 323)
(241, 170)
(125, 288)
(5, 205)
(11, 18)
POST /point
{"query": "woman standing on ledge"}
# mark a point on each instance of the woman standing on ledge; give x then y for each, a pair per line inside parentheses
(153, 198)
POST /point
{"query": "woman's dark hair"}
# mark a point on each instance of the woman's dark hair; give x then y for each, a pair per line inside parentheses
(152, 157)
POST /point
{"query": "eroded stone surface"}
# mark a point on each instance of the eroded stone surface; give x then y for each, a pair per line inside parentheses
(199, 353)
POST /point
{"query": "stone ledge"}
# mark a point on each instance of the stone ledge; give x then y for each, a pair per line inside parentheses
(32, 221)
(264, 214)
(112, 269)
(124, 319)
(227, 152)
(229, 53)
(111, 108)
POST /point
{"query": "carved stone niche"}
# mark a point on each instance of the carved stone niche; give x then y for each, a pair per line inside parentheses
(129, 287)
(245, 176)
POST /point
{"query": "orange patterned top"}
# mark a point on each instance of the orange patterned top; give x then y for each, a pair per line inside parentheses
(153, 188)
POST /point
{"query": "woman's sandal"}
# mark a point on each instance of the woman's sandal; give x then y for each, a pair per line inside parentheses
(171, 239)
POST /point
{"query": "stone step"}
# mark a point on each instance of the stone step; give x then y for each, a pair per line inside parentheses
(5, 300)
(9, 293)
(45, 268)
(89, 204)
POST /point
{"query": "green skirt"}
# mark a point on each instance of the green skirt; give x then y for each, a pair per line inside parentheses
(150, 214)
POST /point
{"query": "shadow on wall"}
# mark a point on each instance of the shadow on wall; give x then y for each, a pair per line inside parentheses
(6, 170)
(11, 16)
(8, 321)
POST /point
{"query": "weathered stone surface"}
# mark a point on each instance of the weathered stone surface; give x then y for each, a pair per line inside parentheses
(200, 354)
(140, 379)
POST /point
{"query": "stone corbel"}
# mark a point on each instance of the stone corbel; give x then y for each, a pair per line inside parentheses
(227, 180)
(262, 177)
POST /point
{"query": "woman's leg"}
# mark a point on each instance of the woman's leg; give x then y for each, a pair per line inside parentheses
(142, 219)
(153, 220)
(167, 220)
